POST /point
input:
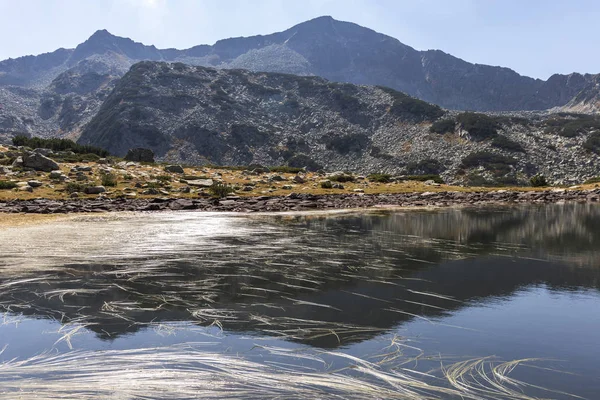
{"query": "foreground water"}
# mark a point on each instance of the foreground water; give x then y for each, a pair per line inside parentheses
(475, 303)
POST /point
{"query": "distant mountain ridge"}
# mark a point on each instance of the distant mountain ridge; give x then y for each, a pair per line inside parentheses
(336, 50)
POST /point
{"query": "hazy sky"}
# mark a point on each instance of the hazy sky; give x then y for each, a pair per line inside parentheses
(533, 37)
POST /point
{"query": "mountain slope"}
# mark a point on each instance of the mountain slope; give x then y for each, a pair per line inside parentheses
(200, 115)
(336, 50)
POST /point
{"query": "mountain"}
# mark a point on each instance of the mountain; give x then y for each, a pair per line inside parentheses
(200, 115)
(336, 50)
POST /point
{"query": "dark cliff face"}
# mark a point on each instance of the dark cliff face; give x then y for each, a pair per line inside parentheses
(336, 50)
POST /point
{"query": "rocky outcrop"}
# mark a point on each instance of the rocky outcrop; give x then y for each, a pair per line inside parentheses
(39, 162)
(197, 115)
(140, 155)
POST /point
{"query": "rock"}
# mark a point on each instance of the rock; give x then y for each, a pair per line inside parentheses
(287, 187)
(34, 183)
(140, 155)
(39, 162)
(258, 169)
(299, 179)
(337, 186)
(18, 163)
(81, 178)
(85, 168)
(103, 161)
(248, 188)
(74, 195)
(26, 189)
(277, 178)
(359, 190)
(201, 183)
(185, 189)
(151, 191)
(94, 190)
(176, 169)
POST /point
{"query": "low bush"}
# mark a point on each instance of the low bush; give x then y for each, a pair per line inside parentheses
(592, 180)
(108, 180)
(73, 187)
(326, 185)
(381, 178)
(405, 106)
(342, 178)
(5, 185)
(538, 181)
(496, 163)
(424, 178)
(572, 126)
(284, 169)
(479, 126)
(593, 143)
(504, 143)
(58, 145)
(428, 166)
(443, 126)
(220, 190)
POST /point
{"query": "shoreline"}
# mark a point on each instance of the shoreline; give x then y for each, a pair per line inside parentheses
(300, 202)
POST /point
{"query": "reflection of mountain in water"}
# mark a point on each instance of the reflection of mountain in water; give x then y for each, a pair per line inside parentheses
(323, 281)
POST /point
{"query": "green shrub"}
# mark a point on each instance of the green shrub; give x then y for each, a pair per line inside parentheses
(504, 143)
(538, 181)
(5, 185)
(573, 126)
(220, 190)
(326, 185)
(443, 126)
(109, 180)
(342, 178)
(284, 169)
(428, 166)
(163, 178)
(593, 143)
(381, 178)
(496, 163)
(405, 106)
(58, 145)
(479, 126)
(423, 178)
(592, 180)
(73, 187)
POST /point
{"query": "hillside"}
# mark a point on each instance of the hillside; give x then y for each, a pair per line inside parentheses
(336, 50)
(200, 115)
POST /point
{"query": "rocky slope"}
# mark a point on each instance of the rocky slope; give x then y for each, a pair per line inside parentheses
(200, 115)
(336, 50)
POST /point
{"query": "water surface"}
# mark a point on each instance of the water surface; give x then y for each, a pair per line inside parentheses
(480, 303)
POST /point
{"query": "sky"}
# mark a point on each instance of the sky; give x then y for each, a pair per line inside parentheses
(534, 37)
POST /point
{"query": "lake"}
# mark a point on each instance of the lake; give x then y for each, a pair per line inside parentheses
(474, 303)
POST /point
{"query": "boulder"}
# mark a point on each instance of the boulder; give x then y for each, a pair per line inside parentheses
(94, 190)
(140, 155)
(299, 179)
(56, 174)
(39, 162)
(175, 169)
(44, 152)
(34, 183)
(18, 162)
(201, 183)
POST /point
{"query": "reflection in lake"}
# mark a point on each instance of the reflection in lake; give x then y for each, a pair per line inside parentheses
(392, 295)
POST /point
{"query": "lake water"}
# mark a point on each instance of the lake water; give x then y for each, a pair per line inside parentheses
(483, 303)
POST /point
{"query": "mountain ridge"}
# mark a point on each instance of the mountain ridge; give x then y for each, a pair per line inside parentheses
(336, 50)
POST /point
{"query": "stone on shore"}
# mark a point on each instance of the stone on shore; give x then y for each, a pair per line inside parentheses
(39, 162)
(94, 190)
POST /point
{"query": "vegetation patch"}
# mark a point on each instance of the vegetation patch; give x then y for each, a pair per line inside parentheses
(407, 107)
(479, 126)
(58, 145)
(379, 177)
(504, 143)
(428, 166)
(220, 190)
(592, 180)
(284, 169)
(424, 178)
(538, 181)
(108, 180)
(496, 163)
(572, 125)
(5, 185)
(593, 143)
(443, 126)
(347, 143)
(342, 178)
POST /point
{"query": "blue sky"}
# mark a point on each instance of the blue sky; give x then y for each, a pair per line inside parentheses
(533, 37)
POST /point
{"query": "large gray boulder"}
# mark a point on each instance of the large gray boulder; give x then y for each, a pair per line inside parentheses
(94, 190)
(175, 169)
(39, 162)
(140, 155)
